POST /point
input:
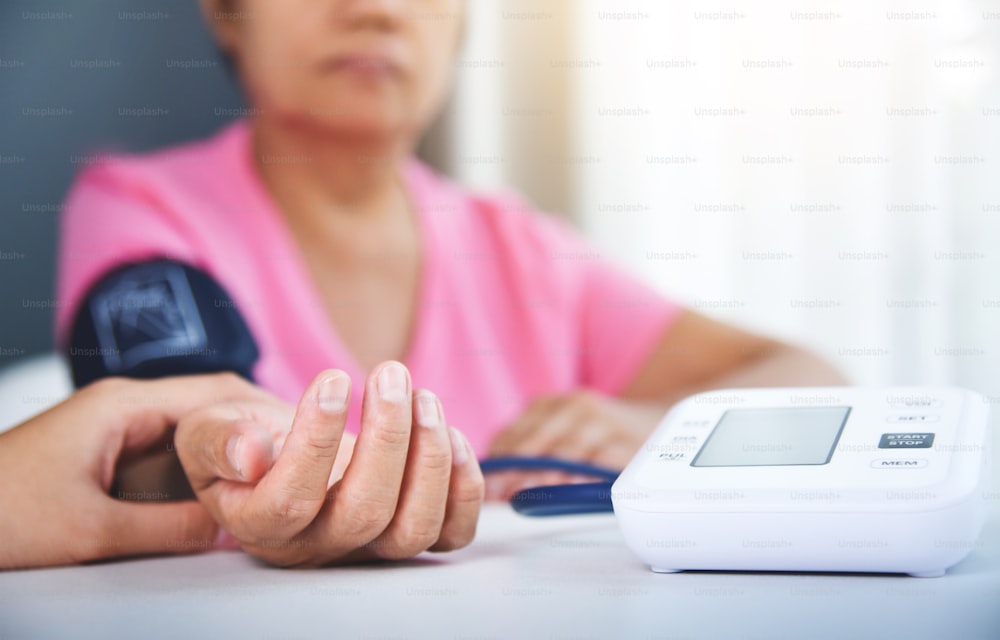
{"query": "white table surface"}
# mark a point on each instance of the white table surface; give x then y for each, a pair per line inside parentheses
(568, 577)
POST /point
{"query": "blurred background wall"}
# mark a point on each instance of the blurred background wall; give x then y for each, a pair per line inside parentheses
(825, 172)
(78, 79)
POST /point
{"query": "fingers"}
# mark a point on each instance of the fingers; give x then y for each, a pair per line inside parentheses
(155, 528)
(416, 525)
(225, 450)
(558, 424)
(409, 484)
(614, 455)
(291, 494)
(364, 501)
(546, 422)
(465, 496)
(582, 440)
(580, 426)
(509, 440)
(147, 410)
(222, 443)
(400, 497)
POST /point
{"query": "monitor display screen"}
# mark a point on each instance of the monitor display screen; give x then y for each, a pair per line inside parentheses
(773, 437)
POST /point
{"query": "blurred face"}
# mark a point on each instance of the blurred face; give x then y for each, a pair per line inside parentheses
(364, 68)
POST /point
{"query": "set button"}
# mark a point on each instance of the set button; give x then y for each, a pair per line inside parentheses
(913, 418)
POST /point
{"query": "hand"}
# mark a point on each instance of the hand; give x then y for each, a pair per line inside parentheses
(318, 498)
(56, 470)
(583, 426)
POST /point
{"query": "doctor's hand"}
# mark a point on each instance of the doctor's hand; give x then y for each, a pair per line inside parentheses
(56, 471)
(582, 426)
(409, 483)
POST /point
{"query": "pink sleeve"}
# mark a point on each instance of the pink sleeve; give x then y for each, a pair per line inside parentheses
(619, 318)
(111, 217)
(623, 321)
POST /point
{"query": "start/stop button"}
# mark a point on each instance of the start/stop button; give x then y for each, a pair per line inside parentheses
(906, 441)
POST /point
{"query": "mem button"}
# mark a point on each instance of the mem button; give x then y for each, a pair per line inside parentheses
(906, 441)
(899, 463)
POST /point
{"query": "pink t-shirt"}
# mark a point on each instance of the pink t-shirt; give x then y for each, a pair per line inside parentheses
(512, 304)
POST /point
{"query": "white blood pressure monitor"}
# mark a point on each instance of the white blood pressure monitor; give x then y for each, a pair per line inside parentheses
(810, 479)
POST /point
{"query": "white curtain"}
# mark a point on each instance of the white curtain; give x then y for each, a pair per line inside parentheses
(823, 172)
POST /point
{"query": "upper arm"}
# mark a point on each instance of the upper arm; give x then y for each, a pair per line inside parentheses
(159, 318)
(615, 316)
(111, 217)
(134, 298)
(590, 320)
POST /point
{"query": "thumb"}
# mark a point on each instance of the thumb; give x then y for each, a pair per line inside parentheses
(159, 528)
(222, 443)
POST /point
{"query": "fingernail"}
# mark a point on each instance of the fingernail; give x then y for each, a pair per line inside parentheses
(234, 451)
(459, 447)
(332, 394)
(393, 383)
(428, 409)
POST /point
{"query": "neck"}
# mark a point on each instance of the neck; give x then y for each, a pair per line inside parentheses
(317, 176)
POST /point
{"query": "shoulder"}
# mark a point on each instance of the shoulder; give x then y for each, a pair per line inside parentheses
(191, 166)
(134, 207)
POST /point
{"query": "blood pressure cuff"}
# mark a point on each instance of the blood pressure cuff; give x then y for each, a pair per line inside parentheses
(156, 319)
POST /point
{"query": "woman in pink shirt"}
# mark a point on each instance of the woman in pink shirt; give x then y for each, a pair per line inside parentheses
(340, 249)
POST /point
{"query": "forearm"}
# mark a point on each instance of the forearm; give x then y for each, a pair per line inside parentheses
(696, 354)
(782, 366)
(778, 366)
